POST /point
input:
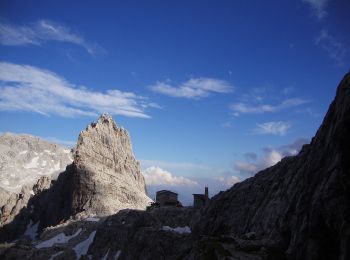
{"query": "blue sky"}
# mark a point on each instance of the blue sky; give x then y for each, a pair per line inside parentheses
(210, 91)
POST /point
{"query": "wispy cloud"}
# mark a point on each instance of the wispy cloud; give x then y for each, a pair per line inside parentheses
(194, 88)
(335, 49)
(31, 89)
(228, 180)
(246, 108)
(41, 32)
(275, 128)
(270, 156)
(318, 7)
(155, 175)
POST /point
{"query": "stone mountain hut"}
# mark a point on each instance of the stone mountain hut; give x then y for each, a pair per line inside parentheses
(200, 200)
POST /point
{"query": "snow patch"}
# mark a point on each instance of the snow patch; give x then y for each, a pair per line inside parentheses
(23, 152)
(5, 182)
(56, 167)
(32, 230)
(49, 152)
(105, 256)
(61, 238)
(116, 256)
(33, 164)
(82, 248)
(179, 230)
(57, 254)
(92, 219)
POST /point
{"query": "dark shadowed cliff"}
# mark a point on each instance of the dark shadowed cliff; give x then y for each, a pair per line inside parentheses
(301, 206)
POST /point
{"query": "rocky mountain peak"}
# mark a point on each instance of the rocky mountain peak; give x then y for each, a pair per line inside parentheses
(108, 177)
(106, 119)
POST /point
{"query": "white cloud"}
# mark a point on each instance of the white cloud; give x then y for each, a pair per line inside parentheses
(246, 108)
(335, 49)
(157, 176)
(228, 180)
(194, 88)
(40, 32)
(275, 128)
(245, 167)
(318, 7)
(27, 88)
(270, 157)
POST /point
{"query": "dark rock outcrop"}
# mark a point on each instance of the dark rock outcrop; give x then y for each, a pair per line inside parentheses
(301, 204)
(129, 234)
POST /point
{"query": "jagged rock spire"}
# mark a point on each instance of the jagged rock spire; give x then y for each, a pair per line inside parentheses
(108, 177)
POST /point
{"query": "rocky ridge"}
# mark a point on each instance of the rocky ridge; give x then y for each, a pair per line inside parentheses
(103, 179)
(27, 165)
(25, 158)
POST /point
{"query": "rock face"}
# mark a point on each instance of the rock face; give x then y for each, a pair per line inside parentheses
(107, 176)
(12, 203)
(301, 206)
(25, 158)
(129, 234)
(26, 162)
(103, 179)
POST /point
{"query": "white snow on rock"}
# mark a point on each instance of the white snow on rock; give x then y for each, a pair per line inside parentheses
(179, 230)
(32, 164)
(25, 158)
(61, 238)
(106, 255)
(57, 254)
(116, 256)
(82, 248)
(32, 230)
(5, 182)
(92, 219)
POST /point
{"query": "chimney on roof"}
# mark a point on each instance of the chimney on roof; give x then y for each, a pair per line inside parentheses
(206, 194)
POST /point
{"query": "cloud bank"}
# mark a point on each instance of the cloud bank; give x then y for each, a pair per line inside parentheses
(41, 32)
(157, 176)
(252, 163)
(31, 89)
(194, 88)
(227, 181)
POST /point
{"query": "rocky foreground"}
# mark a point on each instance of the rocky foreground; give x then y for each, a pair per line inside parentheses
(297, 209)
